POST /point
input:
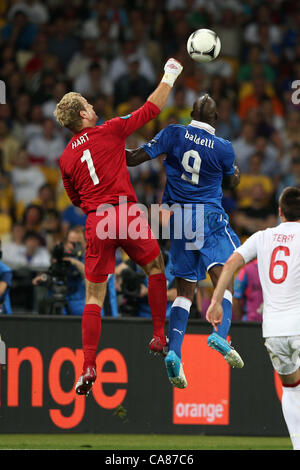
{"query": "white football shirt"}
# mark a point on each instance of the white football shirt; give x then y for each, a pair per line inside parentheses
(277, 250)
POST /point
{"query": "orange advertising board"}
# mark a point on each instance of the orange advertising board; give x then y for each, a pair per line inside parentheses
(206, 399)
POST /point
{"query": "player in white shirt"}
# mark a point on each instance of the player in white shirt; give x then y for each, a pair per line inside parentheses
(277, 251)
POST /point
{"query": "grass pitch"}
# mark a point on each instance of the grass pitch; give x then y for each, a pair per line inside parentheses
(115, 442)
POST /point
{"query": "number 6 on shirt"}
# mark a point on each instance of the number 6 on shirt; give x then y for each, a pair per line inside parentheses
(281, 263)
(87, 157)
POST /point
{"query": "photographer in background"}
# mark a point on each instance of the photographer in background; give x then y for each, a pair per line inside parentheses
(64, 281)
(5, 283)
(132, 286)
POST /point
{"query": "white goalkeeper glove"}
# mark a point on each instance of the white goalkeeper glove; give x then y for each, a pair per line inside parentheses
(172, 70)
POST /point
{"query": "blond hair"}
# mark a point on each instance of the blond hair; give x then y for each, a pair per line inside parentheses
(67, 111)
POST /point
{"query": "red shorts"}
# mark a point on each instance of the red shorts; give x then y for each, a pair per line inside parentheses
(123, 226)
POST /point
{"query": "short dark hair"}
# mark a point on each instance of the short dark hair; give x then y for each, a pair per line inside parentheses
(289, 203)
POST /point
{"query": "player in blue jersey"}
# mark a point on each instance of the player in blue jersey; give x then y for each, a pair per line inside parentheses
(5, 284)
(197, 164)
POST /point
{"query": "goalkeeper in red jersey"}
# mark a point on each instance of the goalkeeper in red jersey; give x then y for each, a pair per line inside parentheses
(95, 176)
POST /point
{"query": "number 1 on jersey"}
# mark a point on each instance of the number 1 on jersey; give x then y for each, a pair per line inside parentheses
(87, 157)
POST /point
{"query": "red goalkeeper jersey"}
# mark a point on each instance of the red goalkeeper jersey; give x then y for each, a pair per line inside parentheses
(93, 165)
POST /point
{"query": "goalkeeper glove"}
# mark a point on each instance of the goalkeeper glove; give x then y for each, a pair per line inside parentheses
(172, 70)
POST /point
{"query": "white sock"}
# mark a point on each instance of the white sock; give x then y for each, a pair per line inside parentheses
(291, 412)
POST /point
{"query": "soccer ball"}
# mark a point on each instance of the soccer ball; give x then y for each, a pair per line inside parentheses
(204, 45)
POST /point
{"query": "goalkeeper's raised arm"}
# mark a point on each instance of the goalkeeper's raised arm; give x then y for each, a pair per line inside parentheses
(172, 70)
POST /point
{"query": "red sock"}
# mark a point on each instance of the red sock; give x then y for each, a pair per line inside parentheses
(91, 329)
(157, 298)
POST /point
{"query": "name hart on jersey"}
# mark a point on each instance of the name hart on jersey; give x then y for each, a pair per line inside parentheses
(206, 142)
(80, 140)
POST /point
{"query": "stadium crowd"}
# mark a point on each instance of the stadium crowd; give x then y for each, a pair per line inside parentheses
(113, 54)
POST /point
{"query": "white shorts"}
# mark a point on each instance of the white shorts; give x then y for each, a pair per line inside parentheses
(284, 353)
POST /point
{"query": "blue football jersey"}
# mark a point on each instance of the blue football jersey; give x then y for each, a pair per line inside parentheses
(5, 276)
(196, 161)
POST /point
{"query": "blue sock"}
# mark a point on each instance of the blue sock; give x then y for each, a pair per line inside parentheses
(178, 321)
(224, 328)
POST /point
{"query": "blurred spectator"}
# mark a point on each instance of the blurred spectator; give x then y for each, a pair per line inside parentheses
(34, 125)
(252, 93)
(33, 254)
(48, 107)
(290, 133)
(36, 11)
(259, 215)
(229, 32)
(293, 177)
(255, 65)
(51, 228)
(22, 114)
(72, 216)
(47, 148)
(14, 244)
(180, 109)
(9, 146)
(131, 83)
(228, 123)
(82, 60)
(250, 179)
(270, 165)
(93, 82)
(19, 31)
(262, 18)
(62, 42)
(146, 45)
(40, 57)
(6, 192)
(247, 296)
(26, 179)
(244, 145)
(46, 197)
(119, 65)
(32, 218)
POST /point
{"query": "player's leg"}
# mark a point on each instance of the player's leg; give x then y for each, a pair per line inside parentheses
(291, 404)
(143, 249)
(99, 261)
(218, 340)
(214, 273)
(177, 326)
(90, 331)
(157, 298)
(284, 353)
(220, 243)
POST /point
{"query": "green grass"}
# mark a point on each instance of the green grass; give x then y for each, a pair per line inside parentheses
(139, 442)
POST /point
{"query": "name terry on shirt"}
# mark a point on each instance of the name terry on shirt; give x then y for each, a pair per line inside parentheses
(206, 142)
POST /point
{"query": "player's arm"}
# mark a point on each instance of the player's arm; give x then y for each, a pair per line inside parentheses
(126, 125)
(159, 145)
(136, 157)
(231, 181)
(70, 190)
